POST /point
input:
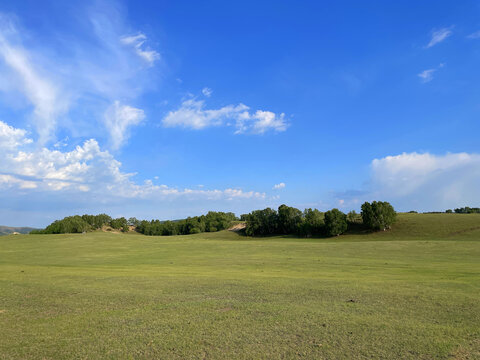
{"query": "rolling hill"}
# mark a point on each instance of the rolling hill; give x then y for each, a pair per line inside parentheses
(7, 230)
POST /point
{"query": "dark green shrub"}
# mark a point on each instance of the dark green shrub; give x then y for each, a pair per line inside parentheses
(379, 215)
(335, 222)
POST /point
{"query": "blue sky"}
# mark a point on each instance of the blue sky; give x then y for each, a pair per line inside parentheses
(166, 109)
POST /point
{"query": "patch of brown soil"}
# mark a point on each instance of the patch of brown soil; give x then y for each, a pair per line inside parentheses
(238, 227)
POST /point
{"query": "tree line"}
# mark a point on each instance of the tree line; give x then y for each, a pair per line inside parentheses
(288, 220)
(377, 215)
(465, 210)
(84, 223)
(213, 221)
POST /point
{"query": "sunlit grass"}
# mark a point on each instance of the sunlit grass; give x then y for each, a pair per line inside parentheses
(409, 293)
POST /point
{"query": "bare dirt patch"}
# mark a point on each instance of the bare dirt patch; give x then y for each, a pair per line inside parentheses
(238, 227)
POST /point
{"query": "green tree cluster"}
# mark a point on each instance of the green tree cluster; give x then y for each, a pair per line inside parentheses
(119, 224)
(289, 220)
(311, 222)
(335, 222)
(213, 221)
(84, 223)
(379, 215)
(467, 210)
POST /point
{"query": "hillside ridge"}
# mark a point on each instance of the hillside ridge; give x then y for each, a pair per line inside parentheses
(7, 230)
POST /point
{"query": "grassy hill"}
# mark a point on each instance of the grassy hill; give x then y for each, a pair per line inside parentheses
(408, 293)
(7, 230)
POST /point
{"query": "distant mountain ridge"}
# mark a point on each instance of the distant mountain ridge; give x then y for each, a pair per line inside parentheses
(7, 230)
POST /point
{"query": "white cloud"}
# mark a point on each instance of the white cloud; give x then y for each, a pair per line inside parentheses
(118, 120)
(137, 42)
(438, 36)
(9, 181)
(62, 143)
(36, 87)
(192, 114)
(427, 75)
(279, 186)
(427, 181)
(266, 120)
(475, 35)
(85, 169)
(11, 138)
(77, 77)
(207, 91)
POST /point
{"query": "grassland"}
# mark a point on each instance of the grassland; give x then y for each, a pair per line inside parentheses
(409, 293)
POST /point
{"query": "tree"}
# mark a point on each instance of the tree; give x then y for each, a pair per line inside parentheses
(379, 215)
(289, 219)
(449, 211)
(467, 210)
(133, 222)
(169, 228)
(216, 221)
(70, 224)
(335, 222)
(352, 217)
(261, 222)
(312, 223)
(119, 224)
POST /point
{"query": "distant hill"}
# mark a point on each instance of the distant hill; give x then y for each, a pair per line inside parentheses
(7, 230)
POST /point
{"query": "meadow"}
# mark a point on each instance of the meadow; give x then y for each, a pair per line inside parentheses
(408, 293)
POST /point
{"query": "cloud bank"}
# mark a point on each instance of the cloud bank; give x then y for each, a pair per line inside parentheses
(424, 182)
(86, 169)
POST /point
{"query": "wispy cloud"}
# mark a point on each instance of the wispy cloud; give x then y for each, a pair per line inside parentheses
(475, 35)
(439, 35)
(119, 119)
(193, 114)
(279, 186)
(427, 75)
(137, 42)
(207, 91)
(40, 91)
(90, 76)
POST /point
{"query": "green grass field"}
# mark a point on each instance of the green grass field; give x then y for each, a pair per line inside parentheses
(409, 293)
